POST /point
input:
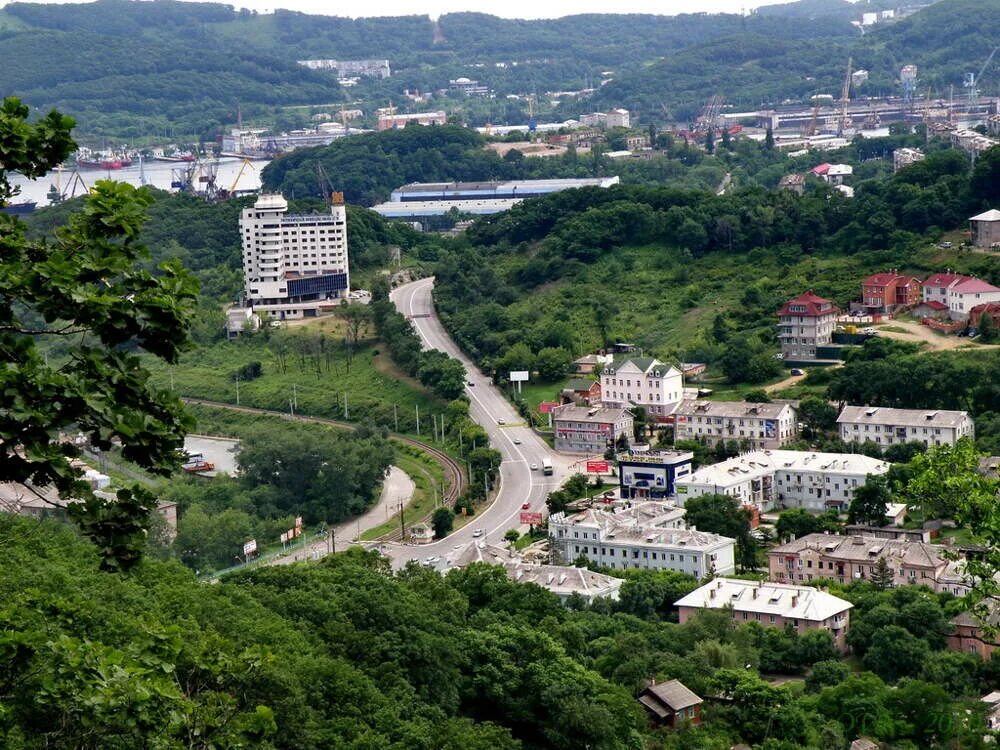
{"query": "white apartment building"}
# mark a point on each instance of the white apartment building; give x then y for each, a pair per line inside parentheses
(294, 266)
(645, 382)
(758, 425)
(885, 426)
(774, 605)
(805, 323)
(766, 480)
(644, 535)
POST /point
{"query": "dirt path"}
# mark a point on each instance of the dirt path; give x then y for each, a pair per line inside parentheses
(781, 384)
(916, 333)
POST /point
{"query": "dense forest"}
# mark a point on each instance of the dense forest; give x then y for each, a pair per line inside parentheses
(345, 654)
(130, 70)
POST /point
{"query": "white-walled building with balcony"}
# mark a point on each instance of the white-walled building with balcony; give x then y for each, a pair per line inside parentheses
(757, 425)
(885, 426)
(766, 480)
(294, 266)
(641, 535)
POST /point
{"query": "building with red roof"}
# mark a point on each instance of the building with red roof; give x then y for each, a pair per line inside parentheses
(990, 309)
(889, 291)
(935, 288)
(967, 293)
(805, 323)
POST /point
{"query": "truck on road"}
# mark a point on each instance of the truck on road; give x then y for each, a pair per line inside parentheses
(547, 466)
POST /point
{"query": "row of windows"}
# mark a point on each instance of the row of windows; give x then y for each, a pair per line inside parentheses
(890, 428)
(646, 554)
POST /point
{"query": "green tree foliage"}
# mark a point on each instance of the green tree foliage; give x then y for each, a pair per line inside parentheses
(86, 293)
(894, 652)
(322, 476)
(798, 522)
(722, 514)
(442, 521)
(869, 503)
(946, 479)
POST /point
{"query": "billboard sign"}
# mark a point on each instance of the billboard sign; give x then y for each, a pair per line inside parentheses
(518, 376)
(546, 407)
(531, 519)
(250, 547)
(769, 428)
(597, 467)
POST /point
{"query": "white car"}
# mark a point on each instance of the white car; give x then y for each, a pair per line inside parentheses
(517, 441)
(534, 467)
(501, 422)
(431, 561)
(477, 533)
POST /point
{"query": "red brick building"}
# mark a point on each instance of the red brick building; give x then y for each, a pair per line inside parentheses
(992, 309)
(671, 703)
(887, 292)
(969, 635)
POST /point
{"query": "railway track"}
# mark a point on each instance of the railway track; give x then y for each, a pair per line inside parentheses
(454, 477)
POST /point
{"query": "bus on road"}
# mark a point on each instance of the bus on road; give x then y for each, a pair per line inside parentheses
(547, 466)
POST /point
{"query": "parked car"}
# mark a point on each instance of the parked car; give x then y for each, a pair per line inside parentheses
(798, 371)
(470, 383)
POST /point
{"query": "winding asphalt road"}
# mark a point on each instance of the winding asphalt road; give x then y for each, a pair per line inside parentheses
(519, 484)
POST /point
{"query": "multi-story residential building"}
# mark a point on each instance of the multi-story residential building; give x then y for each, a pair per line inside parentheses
(345, 68)
(855, 558)
(775, 605)
(904, 157)
(394, 120)
(748, 423)
(935, 288)
(469, 87)
(294, 266)
(805, 323)
(887, 292)
(645, 535)
(618, 118)
(645, 382)
(652, 475)
(972, 635)
(765, 480)
(581, 391)
(884, 426)
(593, 430)
(968, 293)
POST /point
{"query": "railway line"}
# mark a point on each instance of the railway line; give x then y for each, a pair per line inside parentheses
(454, 478)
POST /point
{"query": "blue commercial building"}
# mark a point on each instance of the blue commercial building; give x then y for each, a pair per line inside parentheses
(652, 475)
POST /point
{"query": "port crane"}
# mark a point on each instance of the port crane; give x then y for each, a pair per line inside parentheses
(845, 122)
(972, 80)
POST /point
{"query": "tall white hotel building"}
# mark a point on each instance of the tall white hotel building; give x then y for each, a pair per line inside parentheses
(294, 266)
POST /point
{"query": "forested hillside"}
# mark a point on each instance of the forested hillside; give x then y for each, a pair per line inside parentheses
(343, 654)
(657, 266)
(752, 69)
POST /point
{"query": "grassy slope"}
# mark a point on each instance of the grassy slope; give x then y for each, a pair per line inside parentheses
(207, 373)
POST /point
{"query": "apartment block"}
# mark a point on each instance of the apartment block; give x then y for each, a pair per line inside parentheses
(766, 480)
(593, 430)
(294, 266)
(642, 535)
(753, 424)
(884, 426)
(804, 324)
(775, 605)
(645, 382)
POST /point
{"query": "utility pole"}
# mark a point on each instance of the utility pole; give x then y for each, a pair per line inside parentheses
(346, 416)
(402, 526)
(417, 407)
(291, 407)
(237, 388)
(295, 395)
(395, 417)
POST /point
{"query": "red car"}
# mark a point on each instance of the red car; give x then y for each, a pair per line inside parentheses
(526, 506)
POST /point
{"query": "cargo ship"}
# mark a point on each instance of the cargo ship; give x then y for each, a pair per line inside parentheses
(101, 163)
(18, 209)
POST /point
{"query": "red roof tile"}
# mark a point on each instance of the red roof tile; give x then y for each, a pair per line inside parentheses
(969, 286)
(813, 306)
(943, 279)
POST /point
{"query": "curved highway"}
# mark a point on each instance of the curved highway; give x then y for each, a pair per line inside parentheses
(519, 446)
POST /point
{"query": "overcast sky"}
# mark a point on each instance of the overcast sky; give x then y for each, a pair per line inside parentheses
(505, 8)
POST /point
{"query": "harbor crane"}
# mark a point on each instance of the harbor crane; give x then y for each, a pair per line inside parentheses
(972, 80)
(845, 122)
